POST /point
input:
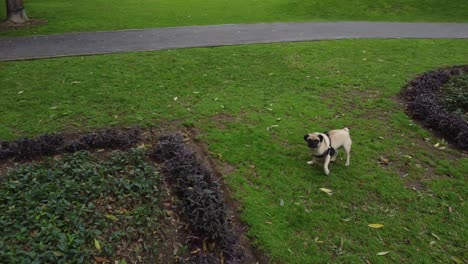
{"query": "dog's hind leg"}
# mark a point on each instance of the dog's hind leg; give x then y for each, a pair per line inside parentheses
(347, 148)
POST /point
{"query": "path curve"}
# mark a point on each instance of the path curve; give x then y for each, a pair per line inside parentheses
(72, 44)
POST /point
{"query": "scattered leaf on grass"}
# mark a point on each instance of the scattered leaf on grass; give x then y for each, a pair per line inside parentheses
(383, 253)
(281, 202)
(20, 92)
(175, 98)
(53, 108)
(270, 127)
(457, 260)
(375, 225)
(268, 222)
(58, 254)
(384, 161)
(327, 191)
(437, 144)
(97, 244)
(436, 236)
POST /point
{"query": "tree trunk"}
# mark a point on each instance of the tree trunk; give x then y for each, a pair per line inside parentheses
(16, 12)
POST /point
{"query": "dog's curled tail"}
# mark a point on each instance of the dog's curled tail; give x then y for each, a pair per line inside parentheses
(346, 129)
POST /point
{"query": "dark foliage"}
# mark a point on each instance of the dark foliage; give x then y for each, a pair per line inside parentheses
(204, 259)
(110, 138)
(28, 149)
(202, 202)
(424, 103)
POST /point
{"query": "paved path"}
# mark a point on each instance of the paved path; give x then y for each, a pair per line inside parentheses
(71, 44)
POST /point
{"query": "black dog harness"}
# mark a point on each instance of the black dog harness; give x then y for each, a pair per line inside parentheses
(330, 151)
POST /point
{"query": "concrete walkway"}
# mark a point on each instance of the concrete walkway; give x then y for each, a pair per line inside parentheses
(72, 44)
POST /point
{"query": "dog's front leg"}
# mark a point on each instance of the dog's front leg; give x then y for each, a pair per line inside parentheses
(325, 165)
(312, 161)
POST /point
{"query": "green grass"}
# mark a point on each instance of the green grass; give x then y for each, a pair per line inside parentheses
(97, 15)
(77, 208)
(299, 87)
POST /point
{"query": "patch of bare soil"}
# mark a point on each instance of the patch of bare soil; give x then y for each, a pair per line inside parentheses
(7, 25)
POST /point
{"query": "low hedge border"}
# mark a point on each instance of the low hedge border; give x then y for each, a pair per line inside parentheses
(423, 103)
(201, 200)
(51, 144)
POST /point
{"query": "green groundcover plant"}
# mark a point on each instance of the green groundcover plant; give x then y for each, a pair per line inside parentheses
(454, 95)
(78, 208)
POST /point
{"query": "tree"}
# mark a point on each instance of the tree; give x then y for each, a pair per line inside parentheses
(15, 12)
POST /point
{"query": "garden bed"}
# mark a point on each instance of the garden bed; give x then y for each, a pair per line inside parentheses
(97, 198)
(425, 103)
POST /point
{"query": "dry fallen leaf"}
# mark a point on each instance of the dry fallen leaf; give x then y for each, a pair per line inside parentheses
(437, 144)
(100, 259)
(327, 191)
(436, 236)
(196, 251)
(270, 127)
(281, 202)
(268, 222)
(375, 225)
(384, 161)
(383, 253)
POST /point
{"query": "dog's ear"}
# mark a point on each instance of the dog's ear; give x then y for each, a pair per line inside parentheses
(306, 137)
(321, 138)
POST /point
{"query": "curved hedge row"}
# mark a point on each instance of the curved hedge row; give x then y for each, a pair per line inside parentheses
(423, 103)
(50, 144)
(201, 199)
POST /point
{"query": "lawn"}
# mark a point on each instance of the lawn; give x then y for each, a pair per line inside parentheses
(252, 105)
(98, 15)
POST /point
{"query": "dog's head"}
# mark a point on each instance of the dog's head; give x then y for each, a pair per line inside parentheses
(313, 140)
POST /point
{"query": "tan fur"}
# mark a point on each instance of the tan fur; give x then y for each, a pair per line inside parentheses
(339, 138)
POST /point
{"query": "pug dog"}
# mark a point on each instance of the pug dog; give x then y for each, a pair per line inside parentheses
(326, 145)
